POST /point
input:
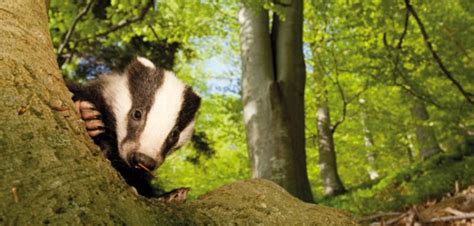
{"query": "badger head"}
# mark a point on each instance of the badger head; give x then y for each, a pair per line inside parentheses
(153, 110)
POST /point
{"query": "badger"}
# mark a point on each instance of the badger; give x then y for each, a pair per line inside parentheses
(137, 117)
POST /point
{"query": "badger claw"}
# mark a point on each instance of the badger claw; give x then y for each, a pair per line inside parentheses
(91, 117)
(175, 196)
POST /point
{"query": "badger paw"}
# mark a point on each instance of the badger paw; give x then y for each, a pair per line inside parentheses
(175, 196)
(91, 117)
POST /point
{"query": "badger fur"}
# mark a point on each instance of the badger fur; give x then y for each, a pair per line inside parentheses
(146, 113)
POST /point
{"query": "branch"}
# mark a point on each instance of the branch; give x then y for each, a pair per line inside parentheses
(457, 43)
(345, 101)
(344, 107)
(411, 91)
(450, 218)
(341, 92)
(154, 32)
(405, 28)
(397, 72)
(438, 60)
(379, 215)
(123, 23)
(71, 29)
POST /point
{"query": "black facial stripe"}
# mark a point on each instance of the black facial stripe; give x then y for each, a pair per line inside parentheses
(143, 82)
(189, 107)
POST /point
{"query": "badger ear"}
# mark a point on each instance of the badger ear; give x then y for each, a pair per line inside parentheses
(140, 66)
(145, 62)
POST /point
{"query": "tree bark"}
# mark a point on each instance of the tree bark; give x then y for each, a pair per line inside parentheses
(425, 135)
(51, 171)
(273, 80)
(327, 154)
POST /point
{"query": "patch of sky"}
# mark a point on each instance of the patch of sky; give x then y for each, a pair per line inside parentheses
(221, 63)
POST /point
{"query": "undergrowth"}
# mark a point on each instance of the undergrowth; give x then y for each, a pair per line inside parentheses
(414, 184)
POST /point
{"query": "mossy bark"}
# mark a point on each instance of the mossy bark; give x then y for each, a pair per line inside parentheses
(51, 172)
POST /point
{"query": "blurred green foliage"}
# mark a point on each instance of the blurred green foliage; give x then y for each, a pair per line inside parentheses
(355, 47)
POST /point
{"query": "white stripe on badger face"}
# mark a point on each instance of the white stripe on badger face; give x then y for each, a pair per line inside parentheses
(117, 95)
(162, 116)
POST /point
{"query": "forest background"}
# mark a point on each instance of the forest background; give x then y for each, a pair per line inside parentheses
(389, 87)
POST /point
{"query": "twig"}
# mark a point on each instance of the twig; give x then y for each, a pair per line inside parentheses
(410, 90)
(458, 44)
(154, 32)
(14, 194)
(71, 29)
(379, 215)
(123, 23)
(341, 92)
(438, 60)
(397, 71)
(396, 219)
(454, 212)
(141, 166)
(345, 101)
(450, 218)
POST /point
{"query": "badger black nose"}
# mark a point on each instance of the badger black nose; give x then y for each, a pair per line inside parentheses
(141, 160)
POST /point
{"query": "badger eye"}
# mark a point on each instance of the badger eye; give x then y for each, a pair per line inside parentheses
(173, 136)
(137, 114)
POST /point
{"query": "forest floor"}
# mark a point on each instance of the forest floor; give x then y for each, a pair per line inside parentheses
(455, 208)
(438, 191)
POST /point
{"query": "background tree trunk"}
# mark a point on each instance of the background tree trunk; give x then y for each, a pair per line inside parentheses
(410, 149)
(369, 144)
(425, 135)
(273, 80)
(327, 155)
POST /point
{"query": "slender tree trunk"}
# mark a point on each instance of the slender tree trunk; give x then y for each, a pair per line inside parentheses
(327, 155)
(425, 135)
(369, 145)
(273, 80)
(410, 150)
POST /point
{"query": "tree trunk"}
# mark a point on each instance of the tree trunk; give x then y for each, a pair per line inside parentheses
(425, 135)
(52, 173)
(327, 155)
(369, 145)
(410, 149)
(273, 80)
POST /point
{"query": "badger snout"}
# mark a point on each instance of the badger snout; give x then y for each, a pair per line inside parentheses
(140, 160)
